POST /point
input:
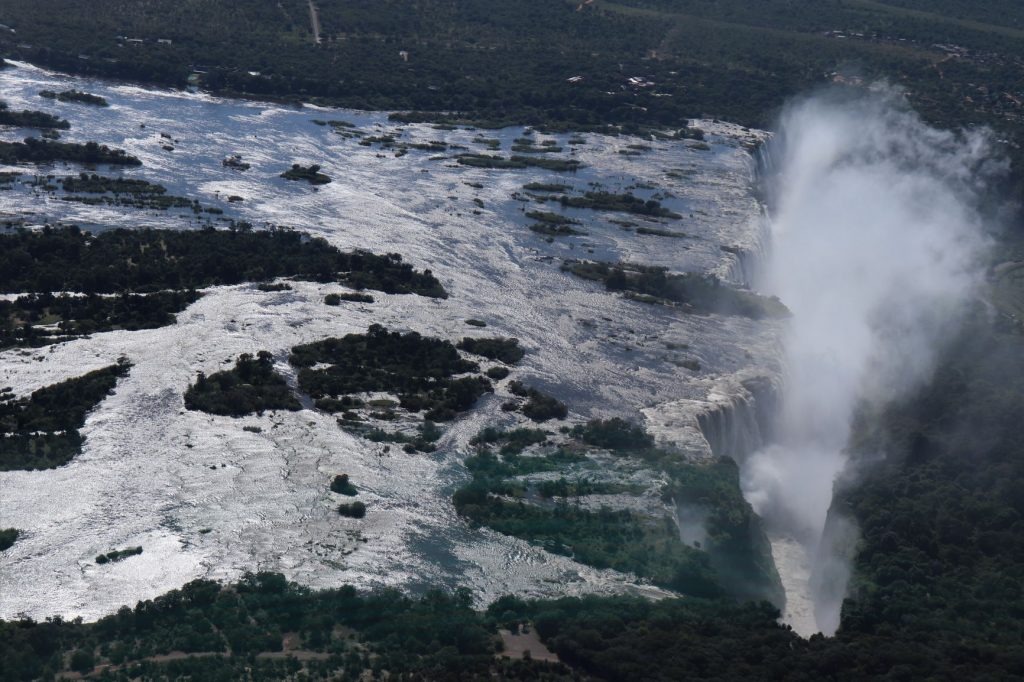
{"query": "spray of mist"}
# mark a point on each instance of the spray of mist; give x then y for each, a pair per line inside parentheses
(876, 244)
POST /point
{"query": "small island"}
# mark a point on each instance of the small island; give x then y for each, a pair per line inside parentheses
(310, 174)
(118, 555)
(75, 96)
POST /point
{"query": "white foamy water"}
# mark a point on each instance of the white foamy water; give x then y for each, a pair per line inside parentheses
(155, 475)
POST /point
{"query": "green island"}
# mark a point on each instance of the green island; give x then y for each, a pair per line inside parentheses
(251, 386)
(697, 293)
(552, 187)
(310, 174)
(553, 224)
(8, 536)
(31, 119)
(514, 162)
(75, 96)
(626, 203)
(35, 150)
(40, 431)
(421, 371)
(118, 555)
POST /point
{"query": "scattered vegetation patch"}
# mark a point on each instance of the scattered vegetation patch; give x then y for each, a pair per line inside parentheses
(118, 555)
(420, 370)
(252, 386)
(503, 495)
(699, 293)
(310, 174)
(506, 350)
(473, 322)
(41, 431)
(75, 96)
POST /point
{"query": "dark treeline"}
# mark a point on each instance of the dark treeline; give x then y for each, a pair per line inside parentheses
(35, 150)
(31, 119)
(250, 386)
(40, 431)
(148, 260)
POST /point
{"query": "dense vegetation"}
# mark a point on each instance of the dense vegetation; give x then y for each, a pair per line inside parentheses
(41, 319)
(35, 150)
(420, 370)
(239, 632)
(698, 293)
(146, 260)
(939, 570)
(40, 431)
(724, 59)
(251, 386)
(31, 119)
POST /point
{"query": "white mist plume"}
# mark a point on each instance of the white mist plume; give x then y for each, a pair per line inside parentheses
(876, 244)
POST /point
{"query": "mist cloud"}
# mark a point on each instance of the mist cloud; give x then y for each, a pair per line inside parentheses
(876, 245)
